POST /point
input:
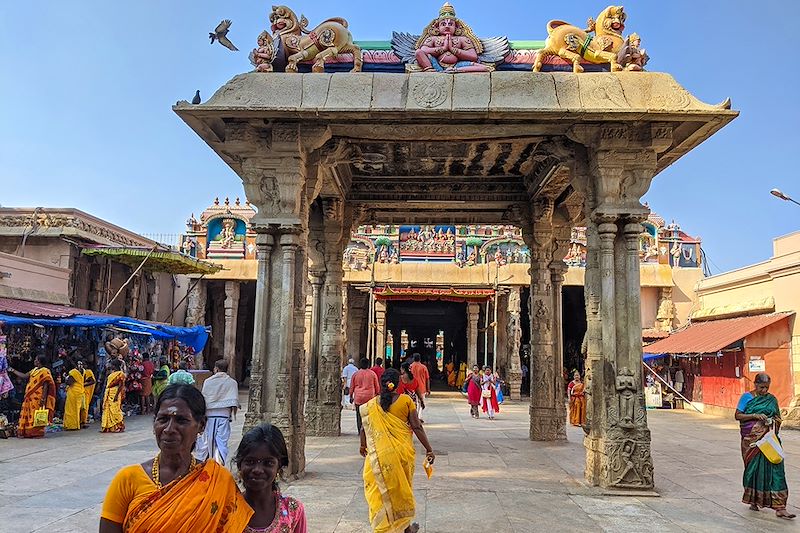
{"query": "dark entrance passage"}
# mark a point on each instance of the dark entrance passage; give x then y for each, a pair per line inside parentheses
(574, 328)
(417, 325)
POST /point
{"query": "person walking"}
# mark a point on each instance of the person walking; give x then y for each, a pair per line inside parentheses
(76, 399)
(473, 382)
(364, 386)
(347, 376)
(489, 403)
(113, 419)
(378, 368)
(389, 456)
(40, 393)
(764, 481)
(221, 393)
(423, 377)
(89, 382)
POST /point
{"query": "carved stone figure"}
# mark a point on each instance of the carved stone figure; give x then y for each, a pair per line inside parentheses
(626, 394)
(448, 45)
(666, 311)
(630, 56)
(573, 44)
(329, 39)
(228, 232)
(262, 56)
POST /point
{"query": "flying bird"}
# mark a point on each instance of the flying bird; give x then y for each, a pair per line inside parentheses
(196, 100)
(219, 34)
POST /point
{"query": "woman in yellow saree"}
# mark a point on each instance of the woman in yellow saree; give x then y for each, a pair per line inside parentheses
(462, 375)
(113, 420)
(40, 393)
(387, 446)
(89, 382)
(75, 400)
(451, 374)
(173, 492)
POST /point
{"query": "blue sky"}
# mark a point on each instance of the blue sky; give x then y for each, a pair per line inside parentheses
(87, 88)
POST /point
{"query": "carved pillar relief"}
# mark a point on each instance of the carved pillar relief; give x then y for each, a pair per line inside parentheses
(231, 321)
(617, 169)
(257, 408)
(513, 341)
(547, 419)
(473, 312)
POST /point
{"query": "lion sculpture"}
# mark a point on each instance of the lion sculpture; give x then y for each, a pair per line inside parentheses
(328, 39)
(573, 44)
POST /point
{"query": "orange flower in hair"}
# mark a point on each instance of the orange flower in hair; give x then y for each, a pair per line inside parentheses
(390, 386)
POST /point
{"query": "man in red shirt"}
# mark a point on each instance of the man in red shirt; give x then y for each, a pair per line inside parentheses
(378, 368)
(423, 377)
(364, 386)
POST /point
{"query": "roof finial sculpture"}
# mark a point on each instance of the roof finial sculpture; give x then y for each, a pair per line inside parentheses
(447, 44)
(293, 43)
(574, 44)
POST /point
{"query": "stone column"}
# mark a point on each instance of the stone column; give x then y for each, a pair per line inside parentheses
(473, 312)
(513, 340)
(380, 329)
(355, 327)
(317, 279)
(152, 297)
(256, 409)
(196, 311)
(615, 172)
(231, 323)
(548, 420)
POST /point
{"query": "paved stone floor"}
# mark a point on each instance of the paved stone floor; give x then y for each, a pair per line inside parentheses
(489, 478)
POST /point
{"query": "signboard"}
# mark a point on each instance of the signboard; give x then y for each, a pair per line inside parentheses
(757, 365)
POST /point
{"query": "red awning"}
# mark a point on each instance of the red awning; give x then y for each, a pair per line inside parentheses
(11, 306)
(429, 293)
(714, 335)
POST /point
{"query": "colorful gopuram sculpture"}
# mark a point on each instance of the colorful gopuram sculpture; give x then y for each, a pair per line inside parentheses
(448, 45)
(293, 43)
(600, 42)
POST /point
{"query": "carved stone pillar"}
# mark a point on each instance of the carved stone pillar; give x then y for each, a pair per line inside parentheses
(331, 233)
(473, 312)
(548, 419)
(196, 311)
(616, 171)
(280, 169)
(231, 324)
(380, 329)
(256, 410)
(152, 297)
(514, 336)
(317, 278)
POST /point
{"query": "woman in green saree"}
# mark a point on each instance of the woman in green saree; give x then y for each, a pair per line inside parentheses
(764, 482)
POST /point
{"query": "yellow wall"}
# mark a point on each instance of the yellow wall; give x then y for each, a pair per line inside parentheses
(773, 283)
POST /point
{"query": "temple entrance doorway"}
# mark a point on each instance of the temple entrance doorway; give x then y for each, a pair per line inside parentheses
(437, 330)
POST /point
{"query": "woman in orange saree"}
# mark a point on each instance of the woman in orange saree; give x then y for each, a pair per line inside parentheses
(173, 492)
(113, 420)
(39, 394)
(389, 421)
(577, 401)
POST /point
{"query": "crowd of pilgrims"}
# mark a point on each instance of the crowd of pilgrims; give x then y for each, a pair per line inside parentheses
(186, 487)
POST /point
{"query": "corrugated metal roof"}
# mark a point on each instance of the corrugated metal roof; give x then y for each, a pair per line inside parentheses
(23, 307)
(714, 335)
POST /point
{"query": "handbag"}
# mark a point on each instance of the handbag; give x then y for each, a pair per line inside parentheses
(486, 393)
(40, 417)
(771, 447)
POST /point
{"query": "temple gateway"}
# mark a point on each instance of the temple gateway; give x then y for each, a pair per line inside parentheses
(431, 141)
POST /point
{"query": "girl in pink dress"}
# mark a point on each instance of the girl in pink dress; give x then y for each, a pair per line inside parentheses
(261, 457)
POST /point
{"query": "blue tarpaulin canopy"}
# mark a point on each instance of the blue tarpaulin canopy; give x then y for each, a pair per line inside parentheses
(196, 337)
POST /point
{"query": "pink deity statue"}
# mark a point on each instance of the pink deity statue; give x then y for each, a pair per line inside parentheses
(448, 45)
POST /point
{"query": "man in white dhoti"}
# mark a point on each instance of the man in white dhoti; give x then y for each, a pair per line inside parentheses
(347, 376)
(222, 401)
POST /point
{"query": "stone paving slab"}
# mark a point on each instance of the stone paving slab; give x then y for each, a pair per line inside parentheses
(488, 477)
